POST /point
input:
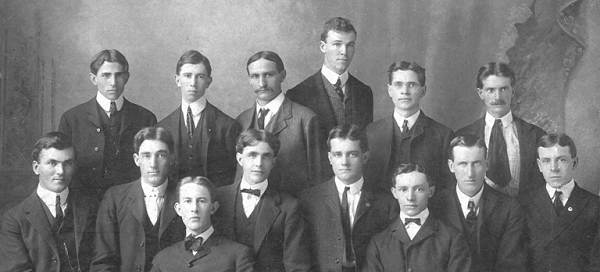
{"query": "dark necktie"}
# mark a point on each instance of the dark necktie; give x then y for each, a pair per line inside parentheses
(255, 192)
(113, 109)
(412, 220)
(405, 129)
(558, 205)
(193, 243)
(190, 122)
(338, 89)
(346, 227)
(472, 215)
(58, 219)
(499, 171)
(262, 113)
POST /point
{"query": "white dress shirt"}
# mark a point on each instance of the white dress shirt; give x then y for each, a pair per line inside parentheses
(49, 198)
(464, 199)
(332, 77)
(509, 130)
(411, 119)
(412, 228)
(249, 201)
(353, 195)
(197, 108)
(566, 190)
(154, 198)
(273, 107)
(105, 103)
(205, 235)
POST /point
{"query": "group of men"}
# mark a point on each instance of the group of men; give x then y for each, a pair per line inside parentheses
(301, 181)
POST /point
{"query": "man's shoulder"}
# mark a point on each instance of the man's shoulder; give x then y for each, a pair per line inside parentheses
(355, 82)
(305, 86)
(435, 125)
(170, 119)
(530, 128)
(121, 190)
(472, 128)
(382, 123)
(300, 110)
(137, 109)
(18, 211)
(76, 111)
(220, 116)
(316, 192)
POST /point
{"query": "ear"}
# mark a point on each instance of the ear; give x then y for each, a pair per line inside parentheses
(575, 162)
(177, 81)
(125, 78)
(390, 90)
(330, 157)
(283, 74)
(208, 82)
(365, 157)
(394, 193)
(323, 46)
(480, 93)
(539, 164)
(177, 209)
(423, 91)
(431, 190)
(35, 166)
(451, 165)
(239, 157)
(93, 79)
(214, 207)
(136, 159)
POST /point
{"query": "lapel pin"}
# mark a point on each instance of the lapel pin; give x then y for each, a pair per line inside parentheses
(570, 209)
(368, 204)
(98, 130)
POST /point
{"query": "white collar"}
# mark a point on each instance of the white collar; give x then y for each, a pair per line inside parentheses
(49, 197)
(566, 189)
(411, 119)
(273, 105)
(355, 187)
(464, 199)
(159, 190)
(262, 186)
(423, 215)
(197, 106)
(205, 235)
(332, 76)
(105, 103)
(506, 119)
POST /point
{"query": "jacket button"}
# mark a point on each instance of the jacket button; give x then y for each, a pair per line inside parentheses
(190, 265)
(96, 149)
(337, 260)
(142, 244)
(98, 130)
(53, 260)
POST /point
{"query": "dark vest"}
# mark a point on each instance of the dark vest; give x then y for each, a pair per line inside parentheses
(190, 158)
(400, 149)
(152, 241)
(64, 236)
(112, 137)
(244, 226)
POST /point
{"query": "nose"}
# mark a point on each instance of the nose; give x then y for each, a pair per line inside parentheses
(111, 80)
(496, 94)
(59, 168)
(262, 81)
(343, 49)
(193, 81)
(345, 161)
(554, 166)
(153, 161)
(410, 196)
(471, 171)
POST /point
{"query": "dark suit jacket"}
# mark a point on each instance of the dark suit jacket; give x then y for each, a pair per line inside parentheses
(219, 136)
(120, 236)
(568, 242)
(436, 247)
(530, 177)
(82, 125)
(218, 254)
(321, 207)
(500, 226)
(298, 162)
(27, 242)
(429, 148)
(280, 236)
(312, 93)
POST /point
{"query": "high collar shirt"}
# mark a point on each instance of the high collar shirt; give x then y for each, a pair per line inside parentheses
(332, 77)
(353, 195)
(411, 119)
(49, 199)
(566, 190)
(154, 198)
(105, 103)
(273, 106)
(464, 199)
(197, 108)
(249, 201)
(205, 235)
(412, 228)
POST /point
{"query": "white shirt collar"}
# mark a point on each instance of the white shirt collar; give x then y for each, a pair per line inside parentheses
(423, 215)
(105, 103)
(332, 76)
(197, 106)
(273, 105)
(158, 191)
(464, 199)
(566, 190)
(355, 187)
(260, 186)
(411, 119)
(506, 119)
(205, 235)
(49, 197)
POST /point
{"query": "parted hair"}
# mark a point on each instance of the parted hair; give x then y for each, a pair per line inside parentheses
(351, 132)
(338, 24)
(252, 137)
(552, 139)
(193, 57)
(200, 181)
(53, 139)
(268, 55)
(405, 168)
(407, 66)
(466, 141)
(499, 69)
(110, 55)
(153, 133)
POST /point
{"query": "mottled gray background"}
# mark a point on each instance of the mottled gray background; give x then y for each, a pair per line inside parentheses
(46, 47)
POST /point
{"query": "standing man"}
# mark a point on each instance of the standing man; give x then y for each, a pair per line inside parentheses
(408, 136)
(491, 221)
(204, 136)
(342, 213)
(102, 129)
(510, 140)
(562, 218)
(256, 214)
(52, 229)
(203, 249)
(135, 220)
(296, 127)
(336, 96)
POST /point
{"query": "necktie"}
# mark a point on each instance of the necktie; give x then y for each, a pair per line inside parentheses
(346, 227)
(472, 215)
(255, 192)
(499, 171)
(412, 220)
(58, 219)
(113, 108)
(193, 243)
(558, 205)
(404, 131)
(338, 89)
(262, 113)
(190, 122)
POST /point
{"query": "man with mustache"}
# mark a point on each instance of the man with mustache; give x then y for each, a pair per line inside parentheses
(510, 140)
(296, 126)
(333, 93)
(204, 136)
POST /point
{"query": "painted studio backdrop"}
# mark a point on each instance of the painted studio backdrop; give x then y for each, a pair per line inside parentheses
(46, 47)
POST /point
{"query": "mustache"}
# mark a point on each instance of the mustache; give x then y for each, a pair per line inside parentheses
(498, 102)
(267, 89)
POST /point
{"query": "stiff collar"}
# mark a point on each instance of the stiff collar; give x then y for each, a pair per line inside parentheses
(197, 106)
(105, 103)
(332, 76)
(423, 215)
(260, 186)
(205, 235)
(158, 191)
(411, 119)
(49, 197)
(566, 190)
(273, 105)
(506, 119)
(355, 187)
(464, 199)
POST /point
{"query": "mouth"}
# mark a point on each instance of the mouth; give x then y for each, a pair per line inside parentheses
(498, 103)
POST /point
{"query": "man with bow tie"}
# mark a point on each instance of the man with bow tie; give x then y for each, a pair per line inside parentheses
(342, 213)
(563, 220)
(53, 229)
(256, 214)
(135, 220)
(416, 240)
(203, 249)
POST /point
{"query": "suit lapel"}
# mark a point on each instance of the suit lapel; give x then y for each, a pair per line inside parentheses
(574, 207)
(385, 136)
(172, 123)
(332, 199)
(203, 251)
(323, 99)
(92, 112)
(269, 211)
(427, 229)
(227, 209)
(207, 132)
(80, 217)
(168, 211)
(137, 208)
(399, 232)
(126, 116)
(364, 204)
(419, 127)
(34, 212)
(280, 120)
(455, 216)
(542, 205)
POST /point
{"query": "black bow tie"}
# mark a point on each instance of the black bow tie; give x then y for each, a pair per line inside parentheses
(255, 192)
(414, 220)
(193, 243)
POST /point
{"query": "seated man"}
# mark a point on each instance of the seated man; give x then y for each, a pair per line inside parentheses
(416, 241)
(202, 249)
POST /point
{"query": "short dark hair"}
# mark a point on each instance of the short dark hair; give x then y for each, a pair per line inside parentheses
(53, 139)
(200, 181)
(407, 66)
(110, 55)
(338, 24)
(405, 168)
(499, 69)
(268, 55)
(153, 133)
(252, 137)
(193, 57)
(351, 132)
(467, 140)
(552, 139)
